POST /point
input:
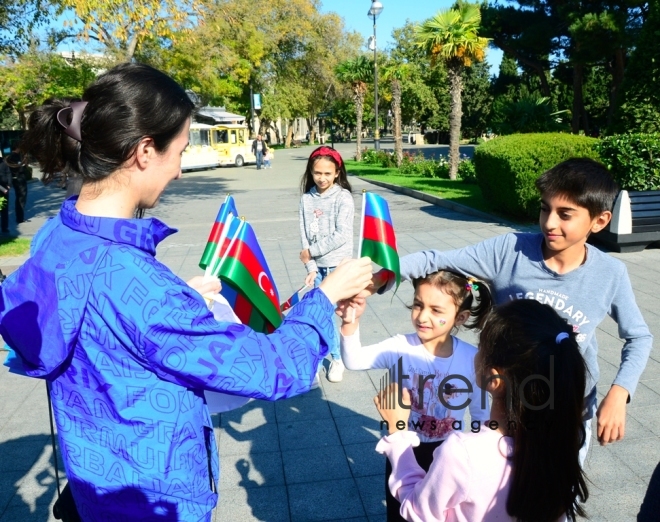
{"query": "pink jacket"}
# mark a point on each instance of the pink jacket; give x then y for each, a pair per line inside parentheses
(468, 481)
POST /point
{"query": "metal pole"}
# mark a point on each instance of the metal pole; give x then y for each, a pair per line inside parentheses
(377, 133)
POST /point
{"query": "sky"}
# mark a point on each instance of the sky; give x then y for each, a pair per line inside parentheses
(394, 15)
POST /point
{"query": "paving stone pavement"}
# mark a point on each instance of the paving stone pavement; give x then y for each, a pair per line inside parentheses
(312, 457)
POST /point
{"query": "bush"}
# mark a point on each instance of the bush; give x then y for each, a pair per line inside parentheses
(507, 167)
(633, 159)
(466, 171)
(418, 165)
(379, 157)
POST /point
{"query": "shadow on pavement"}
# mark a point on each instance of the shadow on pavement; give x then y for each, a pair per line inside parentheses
(326, 450)
(28, 478)
(650, 508)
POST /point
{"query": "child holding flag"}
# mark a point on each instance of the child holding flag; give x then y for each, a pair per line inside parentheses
(430, 362)
(326, 225)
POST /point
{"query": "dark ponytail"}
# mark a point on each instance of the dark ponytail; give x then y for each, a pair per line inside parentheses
(46, 142)
(126, 104)
(521, 341)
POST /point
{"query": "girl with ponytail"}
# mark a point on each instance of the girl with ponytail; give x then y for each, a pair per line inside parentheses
(522, 464)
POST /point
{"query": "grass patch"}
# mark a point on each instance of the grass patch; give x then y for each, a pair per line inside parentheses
(13, 246)
(457, 191)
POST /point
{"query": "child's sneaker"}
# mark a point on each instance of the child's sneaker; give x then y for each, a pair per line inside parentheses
(315, 382)
(336, 371)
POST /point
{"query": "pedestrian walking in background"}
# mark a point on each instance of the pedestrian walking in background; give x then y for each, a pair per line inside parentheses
(326, 226)
(268, 157)
(13, 174)
(259, 148)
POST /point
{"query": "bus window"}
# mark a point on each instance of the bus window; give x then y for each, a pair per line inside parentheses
(233, 137)
(204, 138)
(195, 138)
(241, 137)
(221, 136)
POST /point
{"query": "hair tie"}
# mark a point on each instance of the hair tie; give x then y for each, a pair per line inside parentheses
(327, 151)
(72, 129)
(471, 284)
(561, 336)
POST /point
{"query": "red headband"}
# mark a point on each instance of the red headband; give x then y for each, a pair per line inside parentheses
(327, 151)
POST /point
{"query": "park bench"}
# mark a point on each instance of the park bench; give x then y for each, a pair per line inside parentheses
(296, 143)
(635, 222)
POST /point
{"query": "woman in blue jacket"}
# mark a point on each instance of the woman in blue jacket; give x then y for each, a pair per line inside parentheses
(127, 346)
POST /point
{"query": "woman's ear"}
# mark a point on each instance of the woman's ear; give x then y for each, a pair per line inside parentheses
(145, 152)
(462, 318)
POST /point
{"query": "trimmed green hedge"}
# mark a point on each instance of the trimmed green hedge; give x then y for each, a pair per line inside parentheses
(507, 167)
(633, 159)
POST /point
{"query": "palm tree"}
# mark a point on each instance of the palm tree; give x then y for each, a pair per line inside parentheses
(395, 73)
(357, 72)
(451, 37)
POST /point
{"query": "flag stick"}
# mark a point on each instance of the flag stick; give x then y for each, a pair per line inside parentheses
(364, 198)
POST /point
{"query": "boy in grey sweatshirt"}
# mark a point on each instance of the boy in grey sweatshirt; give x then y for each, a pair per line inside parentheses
(557, 267)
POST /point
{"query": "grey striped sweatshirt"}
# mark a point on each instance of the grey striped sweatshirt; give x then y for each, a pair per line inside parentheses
(326, 226)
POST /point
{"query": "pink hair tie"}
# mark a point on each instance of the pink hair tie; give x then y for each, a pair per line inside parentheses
(327, 151)
(76, 110)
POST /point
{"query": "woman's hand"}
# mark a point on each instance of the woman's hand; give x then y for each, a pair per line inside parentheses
(205, 285)
(388, 402)
(305, 256)
(349, 278)
(378, 280)
(309, 280)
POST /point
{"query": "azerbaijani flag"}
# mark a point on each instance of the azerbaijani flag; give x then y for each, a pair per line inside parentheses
(294, 299)
(226, 209)
(247, 282)
(377, 239)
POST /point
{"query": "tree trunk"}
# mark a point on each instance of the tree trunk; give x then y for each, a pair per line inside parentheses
(396, 113)
(289, 136)
(618, 68)
(578, 103)
(359, 110)
(455, 87)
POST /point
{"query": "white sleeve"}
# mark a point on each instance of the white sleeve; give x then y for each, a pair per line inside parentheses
(358, 357)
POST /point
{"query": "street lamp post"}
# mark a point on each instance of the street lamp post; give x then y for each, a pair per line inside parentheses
(376, 9)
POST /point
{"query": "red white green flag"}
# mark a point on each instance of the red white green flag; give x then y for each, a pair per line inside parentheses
(377, 238)
(218, 231)
(247, 282)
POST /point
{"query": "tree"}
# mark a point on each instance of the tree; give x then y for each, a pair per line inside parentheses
(451, 36)
(424, 96)
(477, 100)
(120, 26)
(37, 76)
(357, 73)
(395, 73)
(639, 107)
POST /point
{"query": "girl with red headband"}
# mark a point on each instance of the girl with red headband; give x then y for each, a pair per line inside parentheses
(326, 226)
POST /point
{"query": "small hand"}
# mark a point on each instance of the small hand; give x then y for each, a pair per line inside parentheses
(351, 309)
(309, 280)
(611, 416)
(305, 256)
(388, 404)
(205, 285)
